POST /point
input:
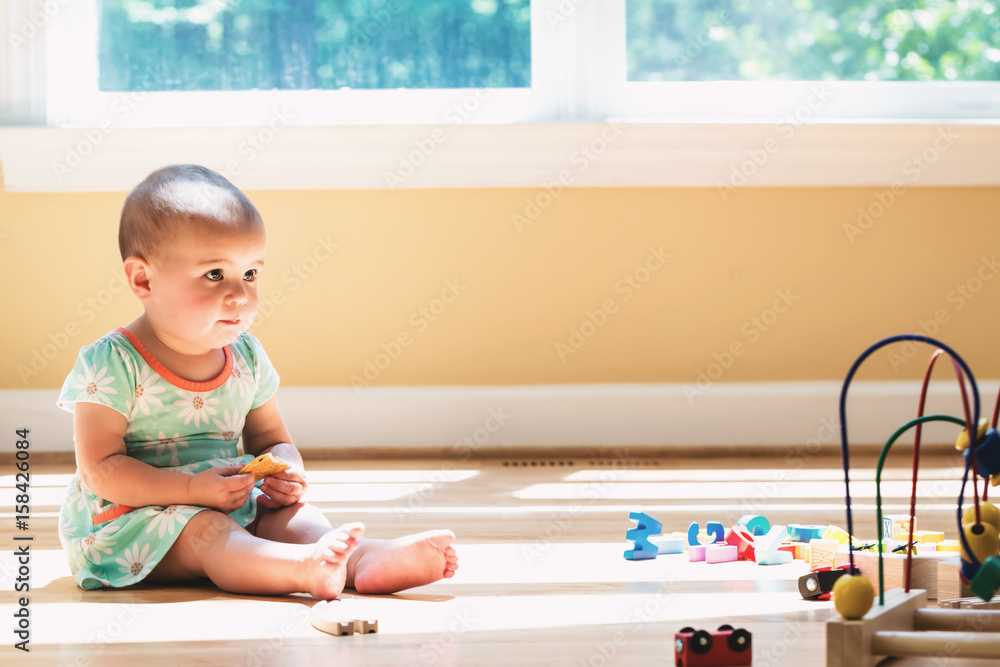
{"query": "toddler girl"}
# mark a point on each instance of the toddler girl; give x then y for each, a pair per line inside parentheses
(159, 407)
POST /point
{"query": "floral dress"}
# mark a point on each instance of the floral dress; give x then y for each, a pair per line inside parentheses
(174, 424)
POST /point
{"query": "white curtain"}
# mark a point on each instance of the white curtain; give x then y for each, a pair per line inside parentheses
(23, 27)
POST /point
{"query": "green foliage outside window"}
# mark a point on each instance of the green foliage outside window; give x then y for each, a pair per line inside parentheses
(810, 40)
(313, 44)
(370, 44)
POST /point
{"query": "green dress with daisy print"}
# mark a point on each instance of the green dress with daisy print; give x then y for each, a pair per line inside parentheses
(174, 424)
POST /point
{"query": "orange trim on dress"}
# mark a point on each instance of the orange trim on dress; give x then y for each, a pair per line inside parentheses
(172, 377)
(110, 514)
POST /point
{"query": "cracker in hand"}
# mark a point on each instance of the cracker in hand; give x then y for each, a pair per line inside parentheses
(265, 465)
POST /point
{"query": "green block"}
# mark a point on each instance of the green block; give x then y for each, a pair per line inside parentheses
(987, 580)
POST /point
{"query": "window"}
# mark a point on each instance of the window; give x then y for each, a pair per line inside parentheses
(715, 78)
(313, 44)
(822, 40)
(232, 62)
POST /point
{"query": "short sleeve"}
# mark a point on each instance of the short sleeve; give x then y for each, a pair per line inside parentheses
(264, 375)
(100, 376)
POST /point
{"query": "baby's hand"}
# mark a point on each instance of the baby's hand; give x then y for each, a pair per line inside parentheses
(221, 488)
(284, 488)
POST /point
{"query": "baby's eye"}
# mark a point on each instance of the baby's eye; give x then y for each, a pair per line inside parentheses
(214, 275)
(250, 275)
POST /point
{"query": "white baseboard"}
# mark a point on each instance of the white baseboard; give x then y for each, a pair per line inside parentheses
(641, 416)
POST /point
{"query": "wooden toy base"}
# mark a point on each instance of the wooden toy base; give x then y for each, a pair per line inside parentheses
(903, 627)
(971, 603)
(925, 570)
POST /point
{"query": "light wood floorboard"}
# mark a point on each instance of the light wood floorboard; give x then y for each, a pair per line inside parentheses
(542, 579)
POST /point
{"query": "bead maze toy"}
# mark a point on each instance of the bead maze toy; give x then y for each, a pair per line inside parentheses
(899, 625)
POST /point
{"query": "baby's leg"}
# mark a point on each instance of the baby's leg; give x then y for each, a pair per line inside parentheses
(215, 546)
(377, 566)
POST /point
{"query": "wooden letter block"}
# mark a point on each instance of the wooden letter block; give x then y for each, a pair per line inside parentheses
(822, 552)
(721, 553)
(696, 554)
(924, 536)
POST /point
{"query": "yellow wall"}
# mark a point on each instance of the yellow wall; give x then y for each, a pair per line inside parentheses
(524, 290)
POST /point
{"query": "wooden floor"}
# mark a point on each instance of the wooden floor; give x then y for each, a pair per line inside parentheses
(541, 581)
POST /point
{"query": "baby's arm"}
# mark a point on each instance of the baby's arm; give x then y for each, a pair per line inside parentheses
(109, 472)
(265, 431)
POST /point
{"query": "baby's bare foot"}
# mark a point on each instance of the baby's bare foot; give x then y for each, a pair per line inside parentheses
(388, 566)
(326, 567)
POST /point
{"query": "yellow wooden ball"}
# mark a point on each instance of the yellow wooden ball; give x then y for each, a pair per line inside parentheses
(853, 596)
(963, 438)
(988, 513)
(984, 540)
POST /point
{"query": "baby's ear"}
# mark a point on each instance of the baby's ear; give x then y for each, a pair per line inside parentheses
(137, 275)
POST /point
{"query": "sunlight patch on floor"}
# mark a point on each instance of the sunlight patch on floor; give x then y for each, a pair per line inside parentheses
(760, 474)
(612, 489)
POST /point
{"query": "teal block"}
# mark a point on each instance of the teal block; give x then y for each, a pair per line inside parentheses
(987, 581)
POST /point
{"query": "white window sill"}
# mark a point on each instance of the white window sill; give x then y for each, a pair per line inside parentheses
(718, 154)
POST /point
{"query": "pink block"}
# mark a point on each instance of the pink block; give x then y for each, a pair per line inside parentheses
(721, 554)
(696, 554)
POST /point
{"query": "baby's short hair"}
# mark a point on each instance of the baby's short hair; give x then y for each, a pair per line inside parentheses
(180, 193)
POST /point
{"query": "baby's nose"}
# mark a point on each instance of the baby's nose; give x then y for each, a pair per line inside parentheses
(237, 297)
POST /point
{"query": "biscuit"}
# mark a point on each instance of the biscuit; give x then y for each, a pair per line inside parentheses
(265, 465)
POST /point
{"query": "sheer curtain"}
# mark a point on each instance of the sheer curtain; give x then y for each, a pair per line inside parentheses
(23, 27)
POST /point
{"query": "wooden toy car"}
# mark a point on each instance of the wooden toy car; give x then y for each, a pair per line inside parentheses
(818, 584)
(724, 648)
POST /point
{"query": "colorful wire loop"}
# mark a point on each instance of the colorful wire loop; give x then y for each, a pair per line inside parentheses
(961, 368)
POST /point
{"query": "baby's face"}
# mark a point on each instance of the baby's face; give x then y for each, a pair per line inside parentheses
(204, 285)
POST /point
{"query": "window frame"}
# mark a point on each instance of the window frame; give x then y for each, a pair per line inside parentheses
(579, 88)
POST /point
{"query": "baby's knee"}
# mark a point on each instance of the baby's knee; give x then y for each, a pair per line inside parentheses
(207, 526)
